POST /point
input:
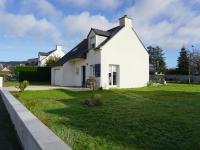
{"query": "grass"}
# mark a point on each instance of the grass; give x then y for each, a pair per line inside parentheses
(162, 117)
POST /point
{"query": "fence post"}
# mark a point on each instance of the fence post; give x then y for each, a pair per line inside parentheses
(1, 82)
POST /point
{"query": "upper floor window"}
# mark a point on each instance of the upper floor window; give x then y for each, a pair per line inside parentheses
(93, 45)
(92, 37)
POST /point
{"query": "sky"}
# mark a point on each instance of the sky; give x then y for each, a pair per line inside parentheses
(30, 26)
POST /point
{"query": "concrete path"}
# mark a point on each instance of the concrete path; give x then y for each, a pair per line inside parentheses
(8, 137)
(46, 87)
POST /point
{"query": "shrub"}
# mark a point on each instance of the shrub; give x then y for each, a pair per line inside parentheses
(150, 83)
(33, 73)
(22, 85)
(96, 100)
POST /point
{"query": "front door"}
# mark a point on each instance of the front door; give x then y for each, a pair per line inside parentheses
(113, 75)
(83, 76)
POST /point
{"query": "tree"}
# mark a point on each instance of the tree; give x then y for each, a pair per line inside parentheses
(52, 60)
(195, 62)
(156, 58)
(183, 61)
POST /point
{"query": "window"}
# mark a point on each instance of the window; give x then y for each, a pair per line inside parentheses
(92, 70)
(95, 70)
(92, 37)
(113, 75)
(93, 45)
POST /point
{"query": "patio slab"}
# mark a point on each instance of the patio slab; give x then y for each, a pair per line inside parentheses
(46, 87)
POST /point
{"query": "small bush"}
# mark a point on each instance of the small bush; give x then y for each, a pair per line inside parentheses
(101, 88)
(22, 85)
(96, 100)
(150, 83)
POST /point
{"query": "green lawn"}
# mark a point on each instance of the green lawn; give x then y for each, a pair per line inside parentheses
(162, 117)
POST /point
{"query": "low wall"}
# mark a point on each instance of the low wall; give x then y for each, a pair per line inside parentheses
(180, 78)
(33, 134)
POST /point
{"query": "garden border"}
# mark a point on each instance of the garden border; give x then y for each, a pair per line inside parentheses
(32, 133)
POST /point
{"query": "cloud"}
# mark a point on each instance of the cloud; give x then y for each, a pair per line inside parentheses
(27, 25)
(100, 4)
(42, 8)
(170, 23)
(82, 23)
(2, 4)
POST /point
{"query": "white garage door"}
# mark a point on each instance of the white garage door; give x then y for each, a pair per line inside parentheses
(57, 77)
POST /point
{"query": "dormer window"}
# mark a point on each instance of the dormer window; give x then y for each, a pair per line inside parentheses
(92, 37)
(93, 45)
(92, 41)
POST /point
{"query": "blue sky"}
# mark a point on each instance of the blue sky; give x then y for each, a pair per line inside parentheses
(29, 26)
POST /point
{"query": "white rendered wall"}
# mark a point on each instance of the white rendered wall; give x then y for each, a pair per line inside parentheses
(53, 78)
(125, 50)
(100, 39)
(72, 72)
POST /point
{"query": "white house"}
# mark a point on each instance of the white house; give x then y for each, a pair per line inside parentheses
(44, 56)
(5, 69)
(116, 58)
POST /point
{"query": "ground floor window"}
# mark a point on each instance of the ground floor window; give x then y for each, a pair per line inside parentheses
(92, 70)
(113, 75)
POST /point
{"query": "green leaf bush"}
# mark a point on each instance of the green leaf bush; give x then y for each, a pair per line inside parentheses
(22, 85)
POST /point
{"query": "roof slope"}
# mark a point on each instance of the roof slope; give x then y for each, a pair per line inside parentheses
(101, 32)
(82, 48)
(46, 53)
(112, 33)
(77, 52)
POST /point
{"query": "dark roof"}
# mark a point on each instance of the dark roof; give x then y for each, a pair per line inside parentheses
(33, 59)
(82, 48)
(101, 32)
(112, 32)
(45, 53)
(77, 52)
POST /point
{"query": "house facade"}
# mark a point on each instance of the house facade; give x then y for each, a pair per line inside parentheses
(115, 58)
(44, 56)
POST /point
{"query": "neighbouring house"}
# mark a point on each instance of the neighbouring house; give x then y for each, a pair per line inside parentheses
(32, 62)
(44, 56)
(115, 58)
(10, 64)
(5, 69)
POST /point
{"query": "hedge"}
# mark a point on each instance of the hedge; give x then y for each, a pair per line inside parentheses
(33, 73)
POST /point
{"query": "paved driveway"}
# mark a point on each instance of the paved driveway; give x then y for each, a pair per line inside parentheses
(46, 87)
(8, 137)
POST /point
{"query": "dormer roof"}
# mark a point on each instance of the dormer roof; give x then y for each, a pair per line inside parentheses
(80, 50)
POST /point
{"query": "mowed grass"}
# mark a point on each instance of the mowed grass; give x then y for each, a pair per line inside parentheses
(150, 118)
